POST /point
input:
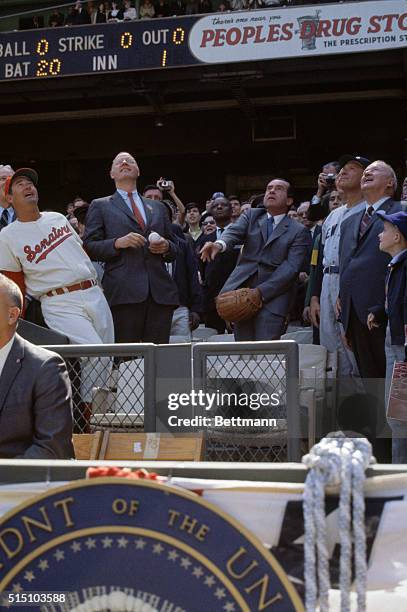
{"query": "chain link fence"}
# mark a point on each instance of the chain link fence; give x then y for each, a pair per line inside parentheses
(257, 413)
(113, 386)
(254, 411)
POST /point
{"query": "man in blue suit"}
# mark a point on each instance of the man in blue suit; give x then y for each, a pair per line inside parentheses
(133, 236)
(363, 268)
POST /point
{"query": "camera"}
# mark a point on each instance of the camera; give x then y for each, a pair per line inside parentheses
(330, 179)
(164, 184)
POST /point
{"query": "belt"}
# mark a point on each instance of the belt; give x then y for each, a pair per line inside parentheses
(61, 290)
(331, 270)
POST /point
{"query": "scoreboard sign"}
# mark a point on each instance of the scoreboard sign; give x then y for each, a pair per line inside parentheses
(218, 38)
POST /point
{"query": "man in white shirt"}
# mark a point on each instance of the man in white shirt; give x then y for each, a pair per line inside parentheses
(35, 393)
(42, 253)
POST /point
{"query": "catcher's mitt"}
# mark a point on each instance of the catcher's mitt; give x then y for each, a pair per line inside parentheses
(239, 305)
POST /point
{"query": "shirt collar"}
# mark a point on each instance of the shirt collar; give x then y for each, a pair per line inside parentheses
(397, 257)
(4, 352)
(124, 193)
(277, 218)
(377, 204)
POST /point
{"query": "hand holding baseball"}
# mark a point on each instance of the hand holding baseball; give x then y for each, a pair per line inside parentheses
(132, 240)
(158, 244)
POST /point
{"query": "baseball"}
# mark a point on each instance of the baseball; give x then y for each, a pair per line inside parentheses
(154, 237)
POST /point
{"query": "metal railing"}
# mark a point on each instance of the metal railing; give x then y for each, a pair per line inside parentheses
(266, 431)
(126, 387)
(113, 385)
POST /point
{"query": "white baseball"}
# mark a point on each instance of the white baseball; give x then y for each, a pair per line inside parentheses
(154, 237)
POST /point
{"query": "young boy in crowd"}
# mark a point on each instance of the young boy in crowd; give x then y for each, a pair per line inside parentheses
(393, 240)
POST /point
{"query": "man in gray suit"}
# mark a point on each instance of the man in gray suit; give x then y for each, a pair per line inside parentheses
(275, 249)
(133, 236)
(35, 393)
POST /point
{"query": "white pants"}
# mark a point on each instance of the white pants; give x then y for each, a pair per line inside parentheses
(330, 331)
(85, 318)
(180, 322)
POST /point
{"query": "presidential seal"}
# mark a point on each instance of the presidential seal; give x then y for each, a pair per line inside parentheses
(114, 544)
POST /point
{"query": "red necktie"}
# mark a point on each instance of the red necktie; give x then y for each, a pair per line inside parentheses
(136, 212)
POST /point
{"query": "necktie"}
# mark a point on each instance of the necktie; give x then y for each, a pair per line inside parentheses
(136, 212)
(4, 219)
(365, 221)
(270, 226)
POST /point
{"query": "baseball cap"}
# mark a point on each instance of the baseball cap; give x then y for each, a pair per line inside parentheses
(399, 219)
(217, 194)
(363, 161)
(27, 172)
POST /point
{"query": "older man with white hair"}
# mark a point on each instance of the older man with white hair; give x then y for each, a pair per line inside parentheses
(362, 269)
(7, 214)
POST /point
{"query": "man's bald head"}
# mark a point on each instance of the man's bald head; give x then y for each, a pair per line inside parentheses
(11, 306)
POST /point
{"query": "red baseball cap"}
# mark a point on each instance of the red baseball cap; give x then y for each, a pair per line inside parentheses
(27, 172)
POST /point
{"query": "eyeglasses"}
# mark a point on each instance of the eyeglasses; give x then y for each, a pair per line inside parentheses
(209, 223)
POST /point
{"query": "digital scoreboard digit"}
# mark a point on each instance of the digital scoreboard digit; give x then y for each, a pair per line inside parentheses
(95, 49)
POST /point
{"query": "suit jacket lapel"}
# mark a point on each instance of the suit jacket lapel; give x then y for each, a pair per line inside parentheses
(11, 368)
(263, 227)
(148, 209)
(280, 229)
(121, 204)
(385, 206)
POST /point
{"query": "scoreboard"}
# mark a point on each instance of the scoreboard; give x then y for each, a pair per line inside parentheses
(218, 38)
(132, 45)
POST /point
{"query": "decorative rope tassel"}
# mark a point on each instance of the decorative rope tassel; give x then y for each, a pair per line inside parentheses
(335, 460)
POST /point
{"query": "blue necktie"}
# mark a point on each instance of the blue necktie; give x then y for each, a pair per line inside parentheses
(270, 226)
(4, 219)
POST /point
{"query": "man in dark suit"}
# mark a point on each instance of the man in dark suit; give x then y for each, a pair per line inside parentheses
(7, 214)
(35, 393)
(363, 267)
(216, 272)
(132, 235)
(362, 272)
(275, 249)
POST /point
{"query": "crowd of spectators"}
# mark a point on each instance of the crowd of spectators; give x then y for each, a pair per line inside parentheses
(339, 283)
(92, 12)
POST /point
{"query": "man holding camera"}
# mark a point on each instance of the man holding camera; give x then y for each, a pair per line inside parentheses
(319, 208)
(160, 191)
(132, 235)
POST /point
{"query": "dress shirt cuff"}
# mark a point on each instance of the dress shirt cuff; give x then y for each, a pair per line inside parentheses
(222, 244)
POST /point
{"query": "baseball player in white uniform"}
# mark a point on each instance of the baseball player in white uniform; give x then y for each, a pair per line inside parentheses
(44, 254)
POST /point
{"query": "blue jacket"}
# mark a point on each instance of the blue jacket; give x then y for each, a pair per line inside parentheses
(396, 283)
(362, 266)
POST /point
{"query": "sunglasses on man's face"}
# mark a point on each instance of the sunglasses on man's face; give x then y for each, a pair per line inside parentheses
(208, 223)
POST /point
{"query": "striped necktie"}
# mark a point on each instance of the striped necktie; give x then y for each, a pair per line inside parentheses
(365, 221)
(136, 212)
(4, 219)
